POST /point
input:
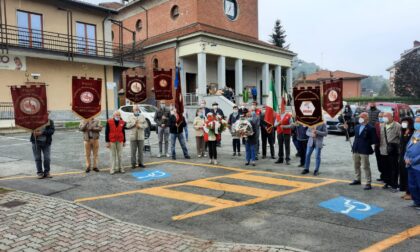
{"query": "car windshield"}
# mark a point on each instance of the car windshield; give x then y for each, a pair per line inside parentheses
(385, 108)
(127, 109)
(149, 109)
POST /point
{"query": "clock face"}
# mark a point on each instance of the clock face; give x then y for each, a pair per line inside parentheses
(231, 9)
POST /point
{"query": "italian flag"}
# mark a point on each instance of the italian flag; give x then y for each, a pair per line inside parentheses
(271, 107)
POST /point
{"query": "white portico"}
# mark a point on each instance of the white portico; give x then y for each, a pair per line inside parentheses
(210, 60)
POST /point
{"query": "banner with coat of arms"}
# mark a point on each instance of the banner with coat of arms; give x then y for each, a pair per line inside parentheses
(163, 84)
(308, 107)
(86, 96)
(30, 105)
(136, 88)
(333, 97)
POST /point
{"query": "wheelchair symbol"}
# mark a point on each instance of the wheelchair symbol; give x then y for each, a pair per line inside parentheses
(356, 206)
(155, 174)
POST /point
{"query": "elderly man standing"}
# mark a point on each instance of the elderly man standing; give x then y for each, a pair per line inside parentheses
(389, 147)
(315, 142)
(91, 129)
(137, 124)
(412, 161)
(115, 141)
(162, 123)
(364, 138)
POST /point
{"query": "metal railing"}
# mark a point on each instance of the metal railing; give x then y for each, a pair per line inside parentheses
(190, 99)
(17, 37)
(6, 111)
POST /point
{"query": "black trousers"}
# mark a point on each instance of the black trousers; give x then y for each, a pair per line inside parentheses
(284, 143)
(212, 149)
(379, 162)
(236, 145)
(403, 174)
(270, 138)
(390, 164)
(302, 151)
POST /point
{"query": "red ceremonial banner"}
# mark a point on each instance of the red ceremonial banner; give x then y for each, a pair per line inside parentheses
(136, 88)
(163, 84)
(308, 106)
(333, 97)
(86, 101)
(30, 105)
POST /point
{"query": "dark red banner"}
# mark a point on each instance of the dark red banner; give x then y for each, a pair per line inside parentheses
(333, 97)
(163, 84)
(86, 101)
(308, 106)
(135, 88)
(30, 105)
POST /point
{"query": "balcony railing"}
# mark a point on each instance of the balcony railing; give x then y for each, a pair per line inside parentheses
(66, 44)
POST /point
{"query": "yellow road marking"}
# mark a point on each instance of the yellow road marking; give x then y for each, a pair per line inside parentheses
(271, 181)
(189, 197)
(394, 240)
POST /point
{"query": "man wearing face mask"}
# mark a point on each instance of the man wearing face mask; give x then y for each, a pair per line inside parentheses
(242, 109)
(364, 138)
(412, 161)
(284, 124)
(236, 142)
(177, 123)
(373, 114)
(255, 113)
(389, 147)
(378, 156)
(162, 122)
(204, 108)
(137, 124)
(217, 112)
(115, 141)
(267, 134)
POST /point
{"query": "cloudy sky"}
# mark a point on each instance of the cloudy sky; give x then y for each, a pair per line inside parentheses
(362, 36)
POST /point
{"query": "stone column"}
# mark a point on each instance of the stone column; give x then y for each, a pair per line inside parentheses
(238, 79)
(278, 81)
(202, 74)
(265, 81)
(289, 80)
(221, 72)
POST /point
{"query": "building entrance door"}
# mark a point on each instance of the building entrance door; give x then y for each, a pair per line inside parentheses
(191, 79)
(230, 79)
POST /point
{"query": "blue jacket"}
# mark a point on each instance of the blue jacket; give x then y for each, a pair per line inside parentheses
(413, 151)
(363, 141)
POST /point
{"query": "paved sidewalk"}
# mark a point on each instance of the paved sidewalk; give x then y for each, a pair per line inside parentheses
(49, 224)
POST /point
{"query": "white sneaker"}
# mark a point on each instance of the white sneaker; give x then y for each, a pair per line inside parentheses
(215, 162)
(211, 161)
(159, 155)
(167, 155)
(122, 171)
(205, 155)
(199, 156)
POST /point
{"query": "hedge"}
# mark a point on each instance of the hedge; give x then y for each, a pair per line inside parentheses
(407, 100)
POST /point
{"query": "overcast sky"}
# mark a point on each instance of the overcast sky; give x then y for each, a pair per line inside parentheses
(361, 36)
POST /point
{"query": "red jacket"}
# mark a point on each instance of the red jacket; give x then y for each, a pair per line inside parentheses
(116, 132)
(284, 122)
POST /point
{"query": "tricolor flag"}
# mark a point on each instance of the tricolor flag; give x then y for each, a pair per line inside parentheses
(271, 107)
(284, 98)
(179, 101)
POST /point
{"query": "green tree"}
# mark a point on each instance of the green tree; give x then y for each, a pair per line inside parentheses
(407, 77)
(385, 92)
(278, 38)
(374, 83)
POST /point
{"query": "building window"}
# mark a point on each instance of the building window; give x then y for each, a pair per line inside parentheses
(139, 25)
(175, 12)
(112, 35)
(29, 29)
(86, 38)
(155, 63)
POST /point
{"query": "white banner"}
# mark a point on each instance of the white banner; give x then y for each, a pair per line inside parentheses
(12, 62)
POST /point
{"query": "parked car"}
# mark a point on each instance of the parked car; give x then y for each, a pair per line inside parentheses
(335, 124)
(400, 110)
(147, 110)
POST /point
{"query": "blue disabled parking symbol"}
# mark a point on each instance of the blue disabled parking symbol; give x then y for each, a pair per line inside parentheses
(352, 208)
(145, 176)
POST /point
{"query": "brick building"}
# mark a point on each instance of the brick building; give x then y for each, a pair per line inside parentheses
(215, 43)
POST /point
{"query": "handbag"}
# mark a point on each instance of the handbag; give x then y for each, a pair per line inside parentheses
(391, 148)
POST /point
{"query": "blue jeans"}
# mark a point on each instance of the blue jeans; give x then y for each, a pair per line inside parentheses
(45, 150)
(414, 184)
(181, 139)
(309, 151)
(250, 152)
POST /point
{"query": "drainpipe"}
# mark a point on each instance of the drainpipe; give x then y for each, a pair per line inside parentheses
(105, 73)
(147, 20)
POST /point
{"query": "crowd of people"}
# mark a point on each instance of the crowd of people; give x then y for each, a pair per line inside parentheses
(395, 145)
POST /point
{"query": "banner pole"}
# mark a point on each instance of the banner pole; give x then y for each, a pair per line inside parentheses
(106, 93)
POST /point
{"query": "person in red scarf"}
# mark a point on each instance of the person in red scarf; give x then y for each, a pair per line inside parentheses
(115, 141)
(177, 124)
(212, 134)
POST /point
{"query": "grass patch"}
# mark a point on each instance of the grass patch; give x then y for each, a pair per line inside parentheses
(3, 191)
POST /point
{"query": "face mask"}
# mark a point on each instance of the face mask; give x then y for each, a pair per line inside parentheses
(417, 126)
(361, 120)
(404, 125)
(235, 111)
(117, 118)
(385, 119)
(136, 113)
(202, 105)
(250, 119)
(381, 120)
(215, 107)
(162, 106)
(253, 107)
(242, 107)
(201, 116)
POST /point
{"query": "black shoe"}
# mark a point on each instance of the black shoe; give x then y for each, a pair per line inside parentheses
(367, 187)
(239, 154)
(264, 157)
(272, 157)
(247, 163)
(386, 186)
(379, 180)
(279, 161)
(173, 158)
(142, 166)
(297, 155)
(40, 175)
(316, 173)
(355, 182)
(95, 169)
(304, 172)
(87, 170)
(287, 162)
(133, 166)
(47, 175)
(187, 157)
(301, 165)
(234, 154)
(256, 158)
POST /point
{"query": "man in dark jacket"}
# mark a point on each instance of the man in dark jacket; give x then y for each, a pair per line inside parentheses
(365, 137)
(251, 141)
(373, 114)
(217, 112)
(161, 119)
(267, 133)
(41, 140)
(302, 138)
(177, 124)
